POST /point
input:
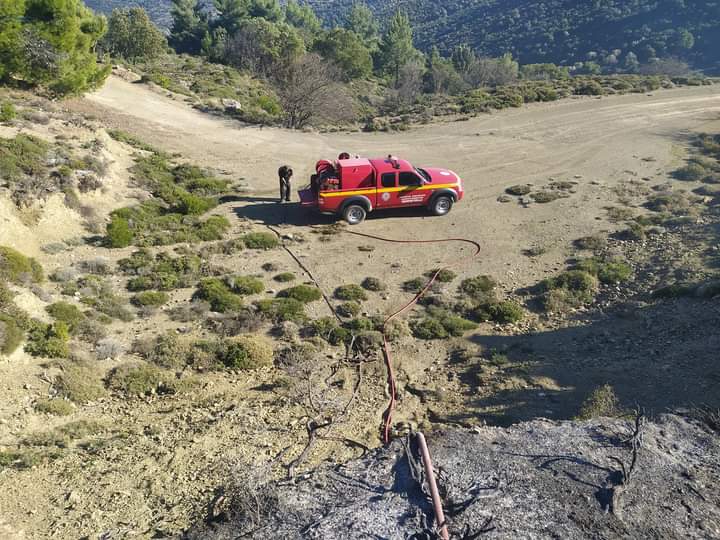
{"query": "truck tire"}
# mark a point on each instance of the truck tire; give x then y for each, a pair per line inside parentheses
(441, 205)
(354, 214)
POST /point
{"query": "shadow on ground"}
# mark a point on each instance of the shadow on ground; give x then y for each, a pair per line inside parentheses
(269, 211)
(660, 357)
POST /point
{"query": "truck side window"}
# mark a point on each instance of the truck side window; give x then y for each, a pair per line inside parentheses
(388, 179)
(409, 179)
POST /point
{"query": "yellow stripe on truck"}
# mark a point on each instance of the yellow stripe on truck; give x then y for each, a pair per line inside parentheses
(370, 191)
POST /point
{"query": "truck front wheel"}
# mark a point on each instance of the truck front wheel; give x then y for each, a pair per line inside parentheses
(354, 214)
(441, 205)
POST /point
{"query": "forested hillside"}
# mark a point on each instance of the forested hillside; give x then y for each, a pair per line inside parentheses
(610, 32)
(561, 31)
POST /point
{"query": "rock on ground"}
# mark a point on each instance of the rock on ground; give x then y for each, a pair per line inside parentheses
(539, 479)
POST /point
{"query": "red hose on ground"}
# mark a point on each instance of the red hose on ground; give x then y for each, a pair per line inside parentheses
(387, 416)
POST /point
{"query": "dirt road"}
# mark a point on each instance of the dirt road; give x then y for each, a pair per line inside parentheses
(594, 142)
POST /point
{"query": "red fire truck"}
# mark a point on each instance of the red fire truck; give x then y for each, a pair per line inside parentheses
(352, 187)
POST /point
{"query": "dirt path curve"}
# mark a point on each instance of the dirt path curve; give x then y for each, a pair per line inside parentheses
(595, 142)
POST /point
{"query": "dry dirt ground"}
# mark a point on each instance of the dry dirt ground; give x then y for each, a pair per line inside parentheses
(156, 465)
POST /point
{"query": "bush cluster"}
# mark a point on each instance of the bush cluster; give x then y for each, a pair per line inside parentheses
(302, 293)
(373, 284)
(181, 193)
(17, 268)
(282, 309)
(151, 299)
(169, 351)
(612, 271)
(66, 313)
(160, 272)
(48, 340)
(100, 295)
(260, 240)
(78, 382)
(571, 289)
(440, 324)
(351, 292)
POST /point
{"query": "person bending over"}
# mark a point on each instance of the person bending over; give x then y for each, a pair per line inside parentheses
(285, 173)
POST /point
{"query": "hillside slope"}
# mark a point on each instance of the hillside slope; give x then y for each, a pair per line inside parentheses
(560, 31)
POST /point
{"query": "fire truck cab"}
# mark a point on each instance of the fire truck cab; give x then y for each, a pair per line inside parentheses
(351, 188)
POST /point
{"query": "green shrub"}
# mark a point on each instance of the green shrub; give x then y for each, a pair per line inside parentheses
(601, 402)
(63, 436)
(350, 292)
(98, 294)
(11, 334)
(414, 285)
(194, 205)
(17, 268)
(302, 293)
(48, 340)
(285, 277)
(54, 406)
(373, 284)
(673, 203)
(246, 285)
(23, 155)
(692, 172)
(324, 327)
(676, 290)
(166, 350)
(506, 312)
(543, 197)
(478, 287)
(348, 309)
(589, 88)
(443, 276)
(596, 242)
(151, 299)
(18, 460)
(7, 112)
(282, 309)
(67, 313)
(247, 352)
(118, 233)
(218, 295)
(455, 325)
(519, 190)
(361, 324)
(143, 379)
(260, 240)
(80, 383)
(609, 272)
(428, 328)
(570, 289)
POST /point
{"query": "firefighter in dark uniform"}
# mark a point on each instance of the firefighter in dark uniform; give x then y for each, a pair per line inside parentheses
(285, 173)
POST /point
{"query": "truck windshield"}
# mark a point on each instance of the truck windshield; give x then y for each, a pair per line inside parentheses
(424, 174)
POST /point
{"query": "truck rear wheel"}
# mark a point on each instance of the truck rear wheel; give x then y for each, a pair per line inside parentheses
(441, 205)
(354, 214)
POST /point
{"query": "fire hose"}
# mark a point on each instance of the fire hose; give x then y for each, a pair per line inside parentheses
(387, 416)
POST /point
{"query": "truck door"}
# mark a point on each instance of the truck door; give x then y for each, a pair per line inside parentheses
(387, 191)
(409, 193)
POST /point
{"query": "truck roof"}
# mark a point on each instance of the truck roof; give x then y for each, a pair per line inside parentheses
(388, 165)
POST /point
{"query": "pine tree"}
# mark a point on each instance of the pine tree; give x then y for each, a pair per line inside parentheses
(230, 14)
(11, 14)
(189, 26)
(54, 44)
(360, 19)
(265, 9)
(303, 18)
(396, 47)
(132, 35)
